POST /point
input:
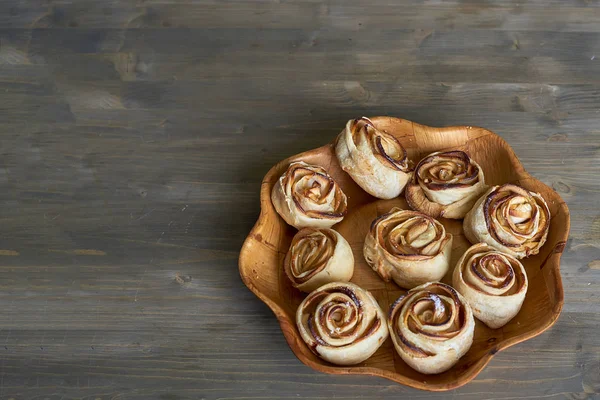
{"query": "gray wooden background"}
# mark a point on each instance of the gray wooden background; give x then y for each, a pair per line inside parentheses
(134, 136)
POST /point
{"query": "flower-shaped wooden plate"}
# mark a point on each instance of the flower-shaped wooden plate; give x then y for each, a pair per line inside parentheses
(263, 252)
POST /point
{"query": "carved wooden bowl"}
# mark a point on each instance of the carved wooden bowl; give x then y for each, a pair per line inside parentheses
(263, 252)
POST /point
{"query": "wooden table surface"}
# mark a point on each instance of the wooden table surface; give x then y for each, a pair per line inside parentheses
(134, 137)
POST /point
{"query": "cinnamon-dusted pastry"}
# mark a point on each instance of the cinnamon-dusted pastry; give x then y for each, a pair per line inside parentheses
(445, 184)
(493, 283)
(374, 159)
(306, 196)
(432, 327)
(317, 257)
(509, 218)
(409, 247)
(341, 323)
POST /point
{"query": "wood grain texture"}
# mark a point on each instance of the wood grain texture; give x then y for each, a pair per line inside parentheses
(141, 130)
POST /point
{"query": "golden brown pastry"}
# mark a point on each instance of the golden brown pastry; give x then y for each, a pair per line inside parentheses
(432, 327)
(306, 196)
(509, 218)
(409, 247)
(374, 159)
(317, 257)
(445, 184)
(493, 283)
(341, 323)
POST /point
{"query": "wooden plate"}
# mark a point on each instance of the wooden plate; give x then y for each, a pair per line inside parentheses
(263, 251)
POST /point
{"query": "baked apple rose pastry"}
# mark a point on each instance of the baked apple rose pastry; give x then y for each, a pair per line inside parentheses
(509, 218)
(374, 159)
(342, 323)
(445, 184)
(409, 247)
(494, 284)
(432, 327)
(306, 196)
(317, 257)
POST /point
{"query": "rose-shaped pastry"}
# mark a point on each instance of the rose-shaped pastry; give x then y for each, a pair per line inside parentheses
(493, 283)
(306, 196)
(509, 218)
(445, 184)
(409, 247)
(431, 327)
(374, 159)
(317, 257)
(341, 323)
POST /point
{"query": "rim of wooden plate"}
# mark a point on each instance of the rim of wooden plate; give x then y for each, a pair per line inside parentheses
(287, 324)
